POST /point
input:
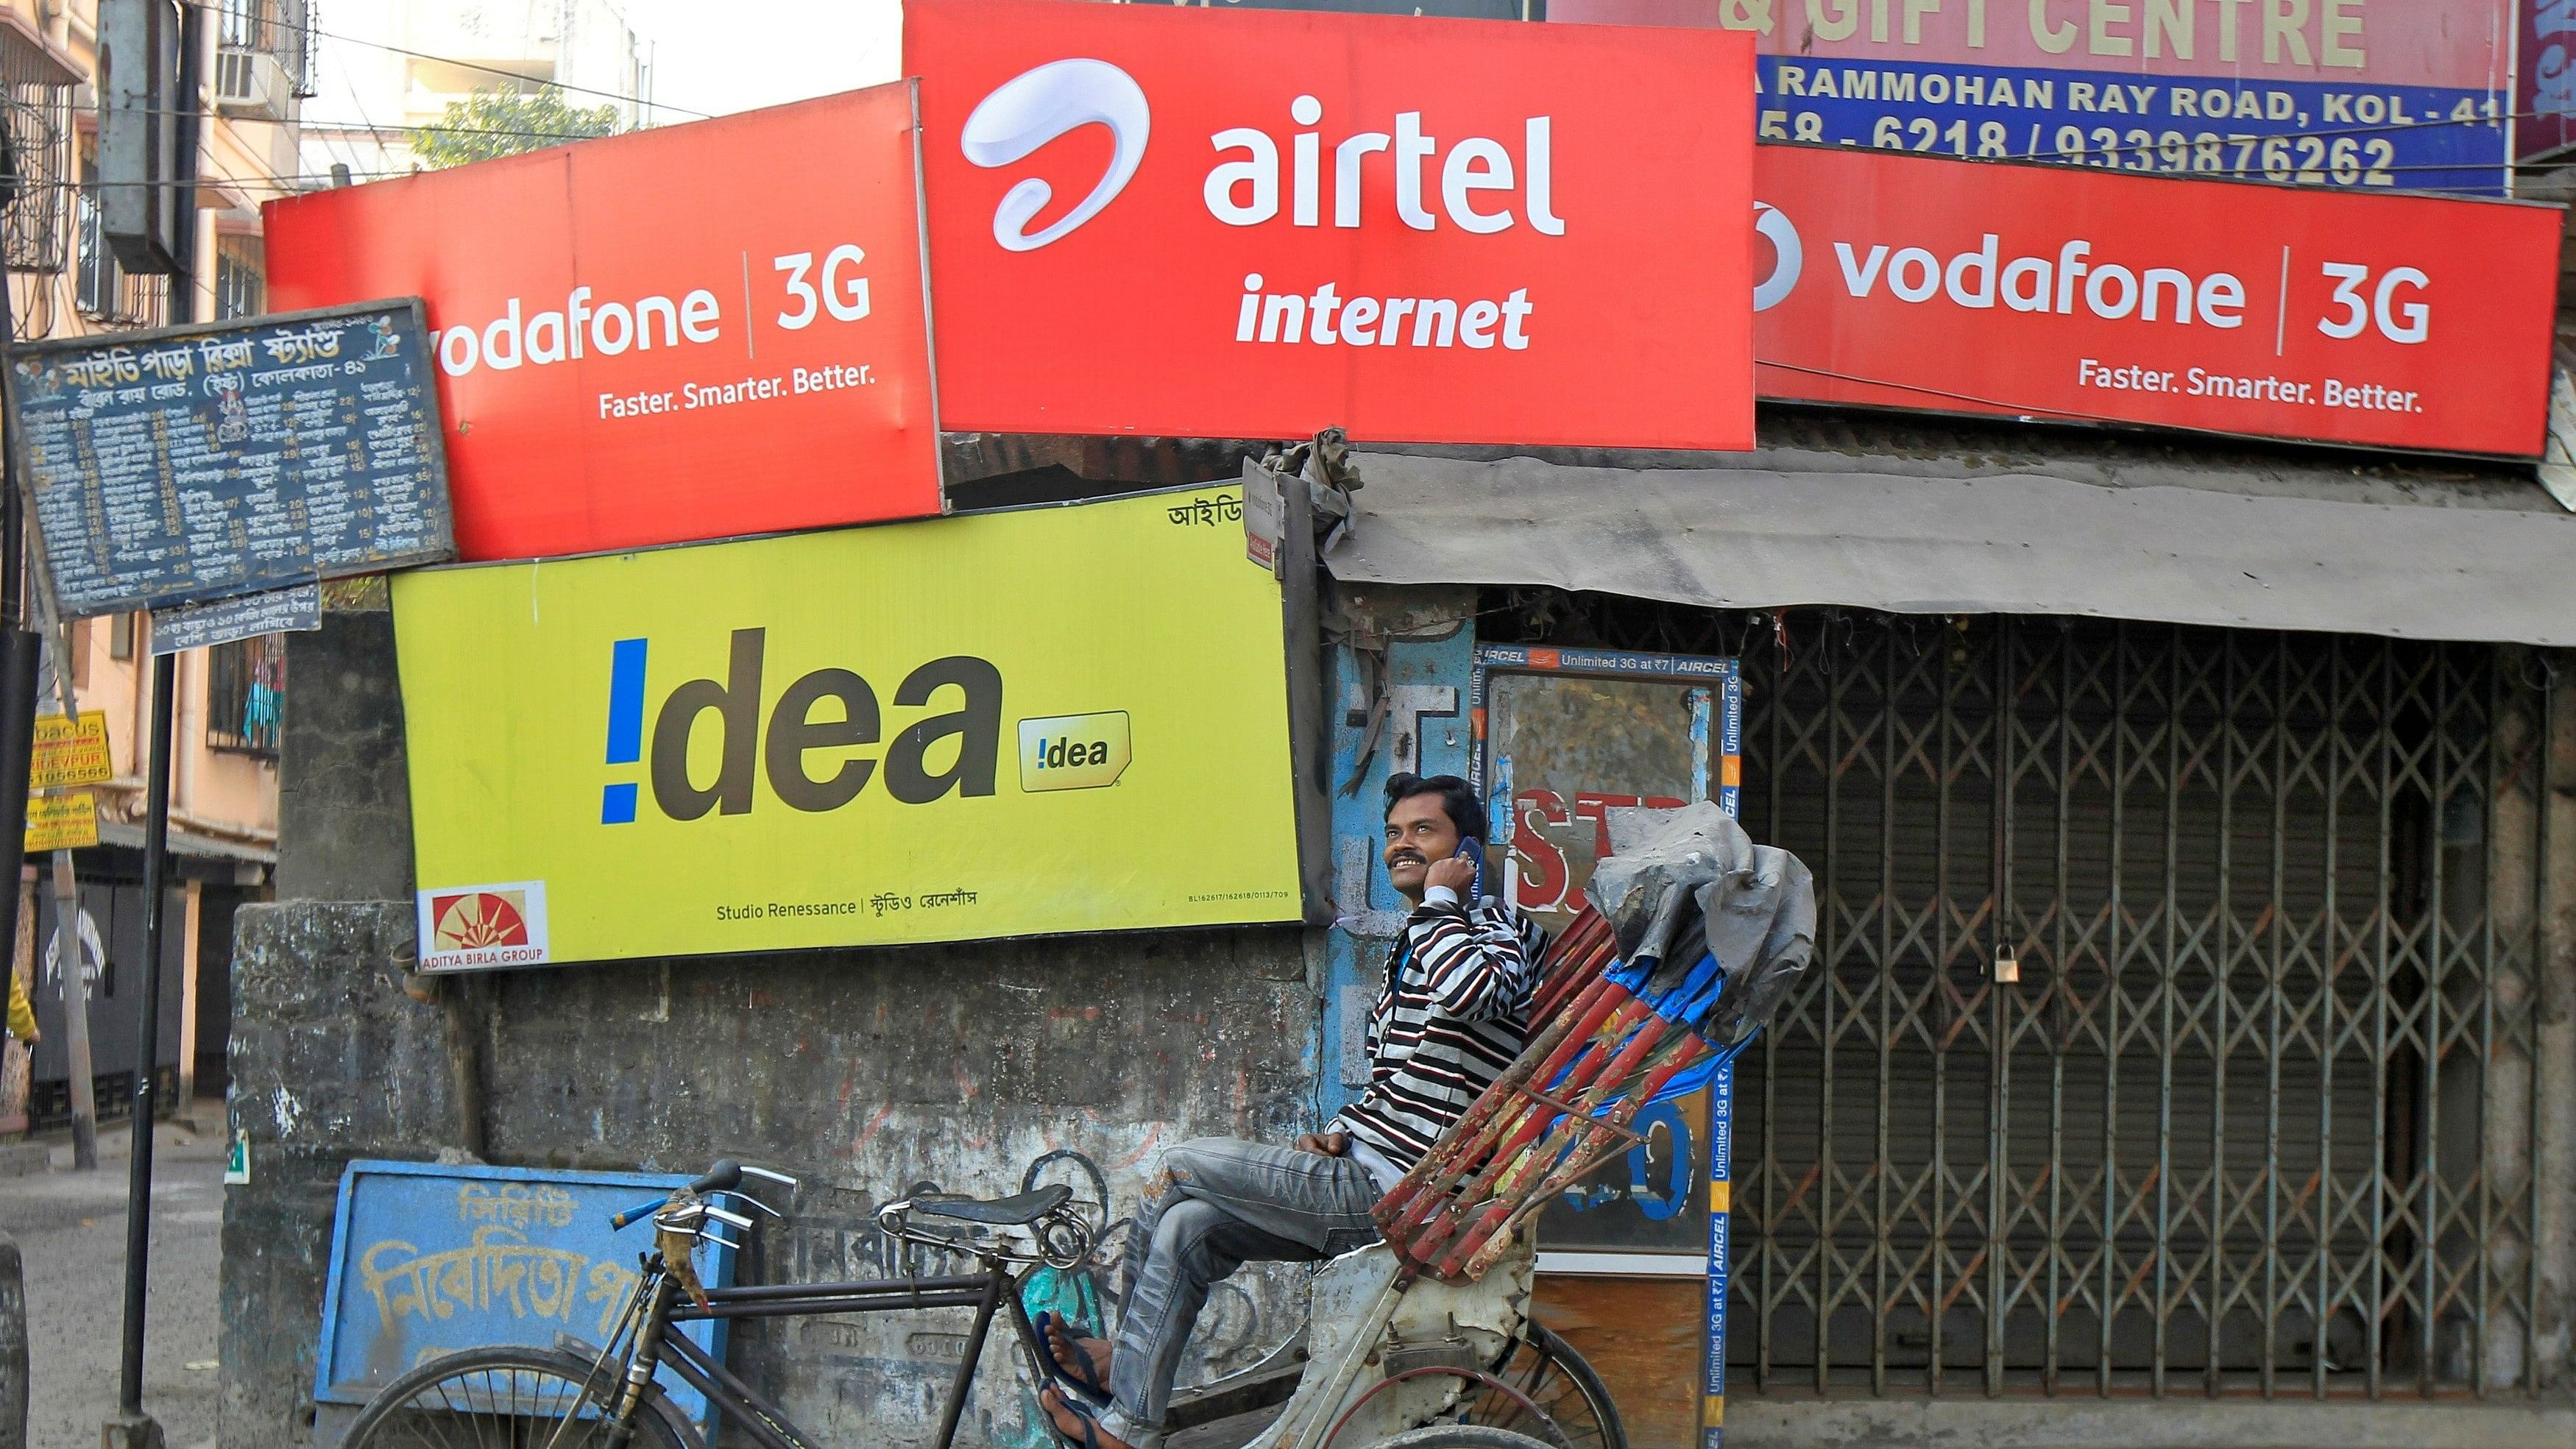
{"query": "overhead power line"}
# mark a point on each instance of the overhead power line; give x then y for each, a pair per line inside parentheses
(377, 127)
(466, 64)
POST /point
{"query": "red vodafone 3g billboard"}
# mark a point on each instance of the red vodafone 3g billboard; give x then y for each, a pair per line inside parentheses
(1220, 223)
(2053, 292)
(693, 332)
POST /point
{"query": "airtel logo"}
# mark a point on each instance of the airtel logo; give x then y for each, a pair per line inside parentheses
(1036, 106)
(1472, 184)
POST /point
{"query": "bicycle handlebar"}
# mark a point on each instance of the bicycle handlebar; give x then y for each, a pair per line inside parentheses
(724, 1176)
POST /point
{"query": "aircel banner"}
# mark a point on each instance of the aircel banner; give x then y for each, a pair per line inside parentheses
(690, 332)
(2339, 94)
(2047, 292)
(1260, 224)
(1056, 720)
(2545, 78)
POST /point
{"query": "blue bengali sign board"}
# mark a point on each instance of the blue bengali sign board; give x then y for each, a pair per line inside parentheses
(428, 1259)
(2313, 133)
(2345, 95)
(183, 465)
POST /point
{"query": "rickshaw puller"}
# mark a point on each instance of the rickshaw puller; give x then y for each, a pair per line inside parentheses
(1453, 1015)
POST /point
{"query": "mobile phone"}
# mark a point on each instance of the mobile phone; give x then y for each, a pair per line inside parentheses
(1474, 850)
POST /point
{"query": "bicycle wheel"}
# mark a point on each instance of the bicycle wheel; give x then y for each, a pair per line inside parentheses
(508, 1398)
(1545, 1370)
(1460, 1436)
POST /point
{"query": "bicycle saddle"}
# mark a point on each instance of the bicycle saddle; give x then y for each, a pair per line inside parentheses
(1000, 1212)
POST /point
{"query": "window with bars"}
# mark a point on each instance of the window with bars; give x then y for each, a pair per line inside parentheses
(246, 695)
(35, 104)
(241, 276)
(101, 287)
(2258, 1113)
(279, 28)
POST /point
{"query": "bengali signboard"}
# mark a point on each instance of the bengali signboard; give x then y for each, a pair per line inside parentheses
(2046, 292)
(428, 1259)
(200, 626)
(2341, 94)
(974, 727)
(688, 332)
(68, 821)
(192, 463)
(1158, 220)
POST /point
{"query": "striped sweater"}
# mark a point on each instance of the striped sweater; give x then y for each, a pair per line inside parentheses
(1454, 1013)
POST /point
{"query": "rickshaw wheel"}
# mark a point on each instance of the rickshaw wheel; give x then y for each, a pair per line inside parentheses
(1460, 1436)
(1544, 1370)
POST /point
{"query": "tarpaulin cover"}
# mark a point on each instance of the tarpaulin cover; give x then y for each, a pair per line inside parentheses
(2017, 542)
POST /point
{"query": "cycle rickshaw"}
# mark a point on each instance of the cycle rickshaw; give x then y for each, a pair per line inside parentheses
(1420, 1341)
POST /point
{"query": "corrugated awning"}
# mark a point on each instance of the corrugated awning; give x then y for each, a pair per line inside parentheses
(2019, 542)
(206, 847)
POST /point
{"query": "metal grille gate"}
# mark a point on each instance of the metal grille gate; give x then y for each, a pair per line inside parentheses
(2258, 1114)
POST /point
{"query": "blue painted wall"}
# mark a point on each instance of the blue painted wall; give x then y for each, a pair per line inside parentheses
(1426, 731)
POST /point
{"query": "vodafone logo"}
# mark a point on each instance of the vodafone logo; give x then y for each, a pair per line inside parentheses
(1035, 107)
(1788, 253)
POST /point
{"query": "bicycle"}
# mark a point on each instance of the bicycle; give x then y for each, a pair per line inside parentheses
(1463, 1369)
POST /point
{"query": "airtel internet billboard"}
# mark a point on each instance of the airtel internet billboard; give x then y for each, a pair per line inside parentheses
(1231, 224)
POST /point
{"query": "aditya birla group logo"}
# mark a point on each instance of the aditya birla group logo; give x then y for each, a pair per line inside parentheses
(483, 926)
(476, 919)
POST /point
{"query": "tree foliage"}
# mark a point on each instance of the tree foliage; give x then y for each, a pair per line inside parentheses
(494, 123)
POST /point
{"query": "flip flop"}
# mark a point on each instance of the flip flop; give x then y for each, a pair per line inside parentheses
(1078, 1378)
(1083, 1414)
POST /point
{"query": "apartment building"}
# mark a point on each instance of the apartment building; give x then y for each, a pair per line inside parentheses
(388, 70)
(64, 281)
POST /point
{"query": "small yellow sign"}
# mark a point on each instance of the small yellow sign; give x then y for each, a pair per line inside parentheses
(70, 750)
(68, 821)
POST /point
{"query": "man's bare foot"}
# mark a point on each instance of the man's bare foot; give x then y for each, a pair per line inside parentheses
(1073, 1355)
(1075, 1427)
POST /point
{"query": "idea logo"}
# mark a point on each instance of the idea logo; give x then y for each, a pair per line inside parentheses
(473, 927)
(1074, 751)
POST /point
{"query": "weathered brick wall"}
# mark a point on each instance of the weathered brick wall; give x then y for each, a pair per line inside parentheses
(866, 1073)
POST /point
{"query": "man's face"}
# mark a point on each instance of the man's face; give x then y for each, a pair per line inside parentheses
(1418, 832)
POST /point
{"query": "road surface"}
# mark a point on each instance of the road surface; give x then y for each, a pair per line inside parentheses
(71, 1229)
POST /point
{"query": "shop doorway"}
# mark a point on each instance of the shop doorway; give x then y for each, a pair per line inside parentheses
(2256, 1114)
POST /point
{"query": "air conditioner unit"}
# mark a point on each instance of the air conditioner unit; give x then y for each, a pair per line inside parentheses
(252, 82)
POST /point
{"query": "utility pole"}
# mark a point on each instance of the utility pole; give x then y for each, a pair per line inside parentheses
(17, 647)
(75, 966)
(176, 227)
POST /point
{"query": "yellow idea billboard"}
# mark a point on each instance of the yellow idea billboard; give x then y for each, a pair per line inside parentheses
(1055, 720)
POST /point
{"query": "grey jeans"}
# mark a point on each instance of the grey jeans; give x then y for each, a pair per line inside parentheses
(1230, 1203)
